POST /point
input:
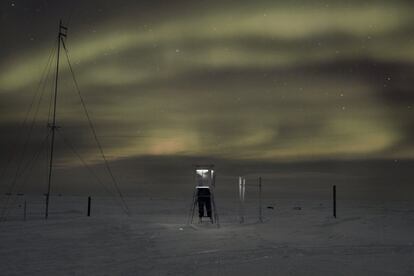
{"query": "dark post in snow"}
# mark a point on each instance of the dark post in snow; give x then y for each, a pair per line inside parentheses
(89, 206)
(260, 200)
(24, 210)
(334, 201)
(242, 190)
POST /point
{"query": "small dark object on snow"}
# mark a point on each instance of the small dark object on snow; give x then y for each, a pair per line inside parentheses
(270, 207)
(297, 208)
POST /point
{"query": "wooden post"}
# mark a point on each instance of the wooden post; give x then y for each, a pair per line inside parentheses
(260, 200)
(334, 201)
(89, 206)
(242, 187)
(24, 210)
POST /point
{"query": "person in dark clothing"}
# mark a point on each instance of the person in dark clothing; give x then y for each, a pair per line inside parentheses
(204, 200)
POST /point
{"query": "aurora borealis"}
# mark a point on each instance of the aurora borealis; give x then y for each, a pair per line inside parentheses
(240, 80)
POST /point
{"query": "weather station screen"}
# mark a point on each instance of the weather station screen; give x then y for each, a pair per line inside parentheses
(204, 178)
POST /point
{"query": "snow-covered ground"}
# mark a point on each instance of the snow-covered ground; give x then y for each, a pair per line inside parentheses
(367, 238)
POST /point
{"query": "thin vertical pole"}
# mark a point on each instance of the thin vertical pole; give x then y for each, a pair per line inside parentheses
(216, 216)
(242, 185)
(240, 200)
(89, 206)
(53, 126)
(24, 210)
(260, 200)
(334, 200)
(191, 213)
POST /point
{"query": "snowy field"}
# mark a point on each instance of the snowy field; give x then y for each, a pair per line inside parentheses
(367, 238)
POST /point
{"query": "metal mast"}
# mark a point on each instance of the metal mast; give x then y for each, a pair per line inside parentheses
(53, 126)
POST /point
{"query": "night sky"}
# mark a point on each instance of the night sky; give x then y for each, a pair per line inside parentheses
(244, 82)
